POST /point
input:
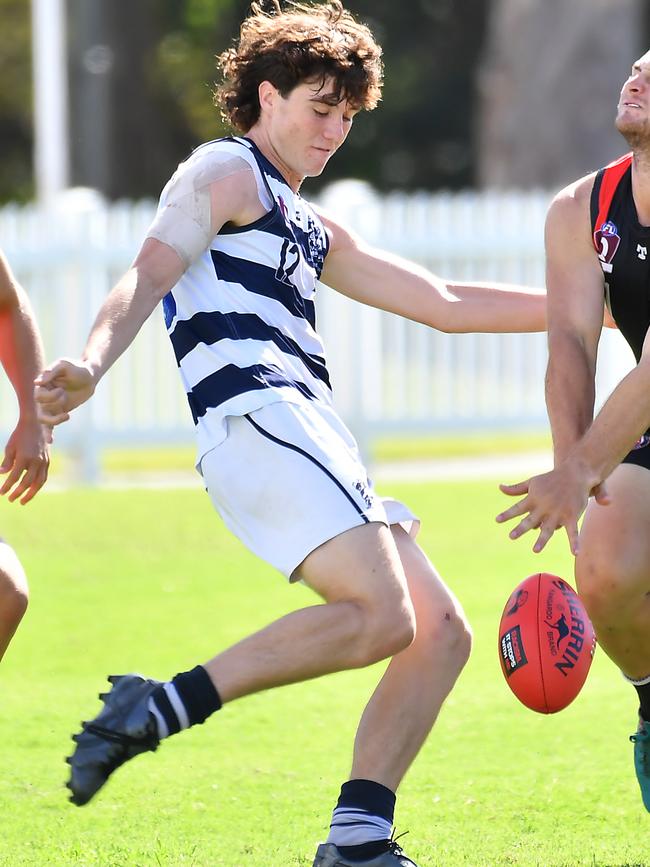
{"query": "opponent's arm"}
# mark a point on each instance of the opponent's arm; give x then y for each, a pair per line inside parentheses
(575, 289)
(26, 458)
(390, 283)
(558, 499)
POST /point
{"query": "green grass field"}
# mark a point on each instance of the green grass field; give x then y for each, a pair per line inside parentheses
(149, 581)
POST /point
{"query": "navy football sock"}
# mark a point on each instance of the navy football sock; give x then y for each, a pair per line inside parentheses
(186, 700)
(362, 821)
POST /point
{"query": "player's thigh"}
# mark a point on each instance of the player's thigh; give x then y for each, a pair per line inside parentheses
(287, 480)
(362, 564)
(432, 599)
(615, 538)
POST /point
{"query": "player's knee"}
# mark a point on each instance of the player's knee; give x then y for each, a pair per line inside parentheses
(400, 630)
(14, 597)
(461, 639)
(607, 587)
(387, 631)
(448, 636)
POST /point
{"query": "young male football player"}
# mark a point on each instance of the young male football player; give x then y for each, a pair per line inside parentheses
(597, 239)
(26, 454)
(235, 254)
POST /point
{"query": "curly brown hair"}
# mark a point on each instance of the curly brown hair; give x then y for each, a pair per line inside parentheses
(303, 42)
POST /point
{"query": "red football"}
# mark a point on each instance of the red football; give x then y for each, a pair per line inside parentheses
(546, 643)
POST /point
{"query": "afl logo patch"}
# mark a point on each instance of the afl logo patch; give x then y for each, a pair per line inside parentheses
(609, 228)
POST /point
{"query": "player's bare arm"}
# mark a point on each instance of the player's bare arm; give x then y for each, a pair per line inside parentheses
(575, 313)
(575, 289)
(68, 383)
(390, 283)
(178, 236)
(26, 458)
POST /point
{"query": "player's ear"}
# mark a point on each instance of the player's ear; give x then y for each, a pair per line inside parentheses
(267, 94)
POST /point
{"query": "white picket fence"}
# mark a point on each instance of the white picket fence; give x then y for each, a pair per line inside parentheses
(388, 373)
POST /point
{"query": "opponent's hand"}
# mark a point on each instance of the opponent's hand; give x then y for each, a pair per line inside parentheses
(26, 461)
(550, 501)
(60, 388)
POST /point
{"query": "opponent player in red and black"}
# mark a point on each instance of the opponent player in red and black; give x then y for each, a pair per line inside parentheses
(26, 458)
(598, 252)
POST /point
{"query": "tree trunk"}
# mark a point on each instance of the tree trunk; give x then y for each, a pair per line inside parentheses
(549, 83)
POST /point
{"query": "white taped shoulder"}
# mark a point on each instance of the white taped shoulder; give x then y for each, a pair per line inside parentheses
(184, 220)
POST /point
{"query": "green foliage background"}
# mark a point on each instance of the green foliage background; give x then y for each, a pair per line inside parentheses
(15, 101)
(155, 104)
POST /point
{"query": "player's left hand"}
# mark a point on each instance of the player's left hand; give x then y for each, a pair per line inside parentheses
(59, 389)
(26, 462)
(550, 501)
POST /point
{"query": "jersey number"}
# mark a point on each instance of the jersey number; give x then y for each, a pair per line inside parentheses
(289, 259)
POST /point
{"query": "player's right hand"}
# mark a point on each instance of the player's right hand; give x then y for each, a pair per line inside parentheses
(60, 388)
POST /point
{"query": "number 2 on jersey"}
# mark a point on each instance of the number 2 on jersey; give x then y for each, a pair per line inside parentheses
(289, 259)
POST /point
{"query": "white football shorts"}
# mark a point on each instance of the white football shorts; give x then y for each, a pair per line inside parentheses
(289, 477)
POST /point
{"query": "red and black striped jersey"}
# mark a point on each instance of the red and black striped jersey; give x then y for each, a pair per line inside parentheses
(623, 247)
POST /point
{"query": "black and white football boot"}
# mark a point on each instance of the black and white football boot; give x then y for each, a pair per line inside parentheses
(329, 856)
(124, 728)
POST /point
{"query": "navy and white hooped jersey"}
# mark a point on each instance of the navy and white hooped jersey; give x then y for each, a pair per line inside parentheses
(242, 318)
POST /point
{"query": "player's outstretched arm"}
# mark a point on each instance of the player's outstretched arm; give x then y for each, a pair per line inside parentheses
(575, 287)
(576, 292)
(557, 499)
(390, 283)
(26, 457)
(68, 383)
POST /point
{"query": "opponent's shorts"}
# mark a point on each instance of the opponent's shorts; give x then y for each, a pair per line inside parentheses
(289, 477)
(640, 454)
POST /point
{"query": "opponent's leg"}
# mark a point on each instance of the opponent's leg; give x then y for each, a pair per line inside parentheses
(14, 594)
(398, 718)
(368, 616)
(613, 579)
(613, 569)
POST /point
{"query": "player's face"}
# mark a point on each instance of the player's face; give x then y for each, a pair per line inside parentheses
(633, 115)
(305, 128)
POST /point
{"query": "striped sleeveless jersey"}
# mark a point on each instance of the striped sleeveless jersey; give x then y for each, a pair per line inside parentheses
(242, 318)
